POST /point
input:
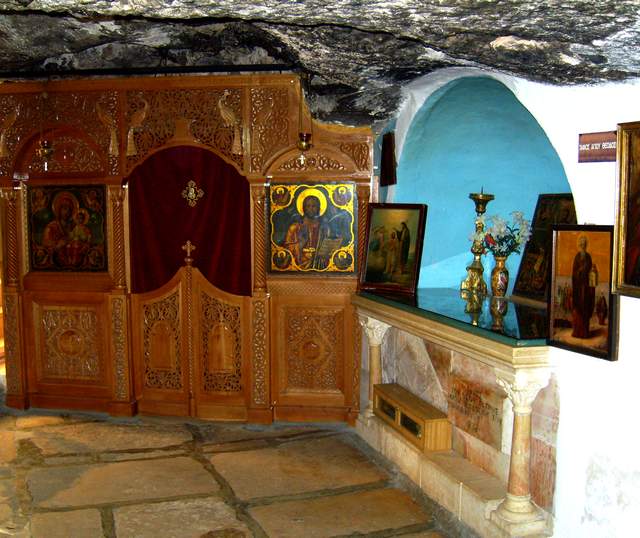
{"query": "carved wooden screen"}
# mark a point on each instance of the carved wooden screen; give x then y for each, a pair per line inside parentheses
(191, 349)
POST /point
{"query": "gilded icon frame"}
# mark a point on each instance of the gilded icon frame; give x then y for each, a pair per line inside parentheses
(627, 237)
(305, 243)
(581, 276)
(74, 242)
(391, 263)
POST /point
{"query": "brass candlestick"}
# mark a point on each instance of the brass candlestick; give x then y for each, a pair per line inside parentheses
(474, 283)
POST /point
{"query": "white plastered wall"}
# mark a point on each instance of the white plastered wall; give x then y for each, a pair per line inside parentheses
(598, 443)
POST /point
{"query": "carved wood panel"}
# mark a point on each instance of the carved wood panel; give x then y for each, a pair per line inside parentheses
(312, 339)
(67, 343)
(212, 117)
(80, 128)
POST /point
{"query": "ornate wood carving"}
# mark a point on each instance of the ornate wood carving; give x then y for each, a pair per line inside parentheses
(310, 287)
(117, 197)
(12, 352)
(357, 354)
(363, 210)
(359, 152)
(221, 332)
(314, 353)
(213, 116)
(71, 343)
(11, 197)
(119, 348)
(163, 316)
(260, 358)
(312, 162)
(269, 124)
(79, 125)
(258, 195)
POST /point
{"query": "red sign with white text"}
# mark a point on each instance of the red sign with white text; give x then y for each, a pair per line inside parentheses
(597, 147)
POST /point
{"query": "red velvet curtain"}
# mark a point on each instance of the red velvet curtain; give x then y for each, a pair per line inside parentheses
(161, 220)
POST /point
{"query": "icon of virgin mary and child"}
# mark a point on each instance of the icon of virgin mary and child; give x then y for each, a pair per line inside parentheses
(67, 238)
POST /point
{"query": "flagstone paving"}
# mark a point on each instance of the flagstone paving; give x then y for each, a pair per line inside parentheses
(85, 476)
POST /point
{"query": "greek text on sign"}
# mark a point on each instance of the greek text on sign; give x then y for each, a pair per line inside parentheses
(597, 147)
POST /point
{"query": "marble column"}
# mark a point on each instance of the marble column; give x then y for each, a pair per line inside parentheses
(375, 331)
(517, 514)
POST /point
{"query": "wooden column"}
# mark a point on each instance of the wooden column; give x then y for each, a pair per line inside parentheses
(363, 208)
(517, 514)
(375, 331)
(259, 408)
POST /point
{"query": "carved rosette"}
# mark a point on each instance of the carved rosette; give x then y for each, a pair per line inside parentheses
(258, 195)
(314, 350)
(12, 344)
(269, 124)
(11, 197)
(374, 329)
(363, 210)
(117, 197)
(71, 344)
(221, 334)
(213, 116)
(119, 346)
(259, 347)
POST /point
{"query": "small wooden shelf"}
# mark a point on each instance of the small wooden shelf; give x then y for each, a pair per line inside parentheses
(422, 424)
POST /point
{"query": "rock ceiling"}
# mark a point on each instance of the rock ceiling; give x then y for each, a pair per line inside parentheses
(357, 53)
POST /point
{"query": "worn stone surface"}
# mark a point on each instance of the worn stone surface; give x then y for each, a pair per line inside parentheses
(7, 447)
(85, 485)
(296, 467)
(100, 437)
(359, 53)
(340, 515)
(35, 421)
(180, 519)
(84, 523)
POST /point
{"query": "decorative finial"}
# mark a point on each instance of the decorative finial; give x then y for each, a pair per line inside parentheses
(188, 247)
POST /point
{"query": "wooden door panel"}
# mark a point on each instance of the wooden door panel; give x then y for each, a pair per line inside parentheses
(160, 352)
(221, 351)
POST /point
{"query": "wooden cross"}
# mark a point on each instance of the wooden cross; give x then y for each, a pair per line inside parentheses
(188, 247)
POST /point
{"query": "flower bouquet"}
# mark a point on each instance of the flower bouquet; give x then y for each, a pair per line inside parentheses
(503, 238)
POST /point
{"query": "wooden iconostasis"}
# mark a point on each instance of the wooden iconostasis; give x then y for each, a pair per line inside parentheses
(171, 248)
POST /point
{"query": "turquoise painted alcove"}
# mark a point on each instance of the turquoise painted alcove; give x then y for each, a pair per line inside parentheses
(472, 133)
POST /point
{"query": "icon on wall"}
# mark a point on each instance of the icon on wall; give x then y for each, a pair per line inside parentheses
(312, 228)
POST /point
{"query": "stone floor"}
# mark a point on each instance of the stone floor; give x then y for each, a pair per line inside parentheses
(75, 475)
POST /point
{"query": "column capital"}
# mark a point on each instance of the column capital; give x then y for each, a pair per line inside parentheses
(374, 329)
(522, 386)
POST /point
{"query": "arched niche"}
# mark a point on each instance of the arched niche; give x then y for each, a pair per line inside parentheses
(472, 134)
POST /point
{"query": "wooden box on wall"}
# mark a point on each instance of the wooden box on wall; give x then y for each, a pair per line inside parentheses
(425, 426)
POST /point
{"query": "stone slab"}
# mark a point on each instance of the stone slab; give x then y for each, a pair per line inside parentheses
(340, 515)
(178, 519)
(152, 454)
(37, 421)
(296, 467)
(104, 437)
(220, 433)
(87, 485)
(81, 523)
(7, 447)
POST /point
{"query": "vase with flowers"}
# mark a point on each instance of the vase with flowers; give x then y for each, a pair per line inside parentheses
(502, 239)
